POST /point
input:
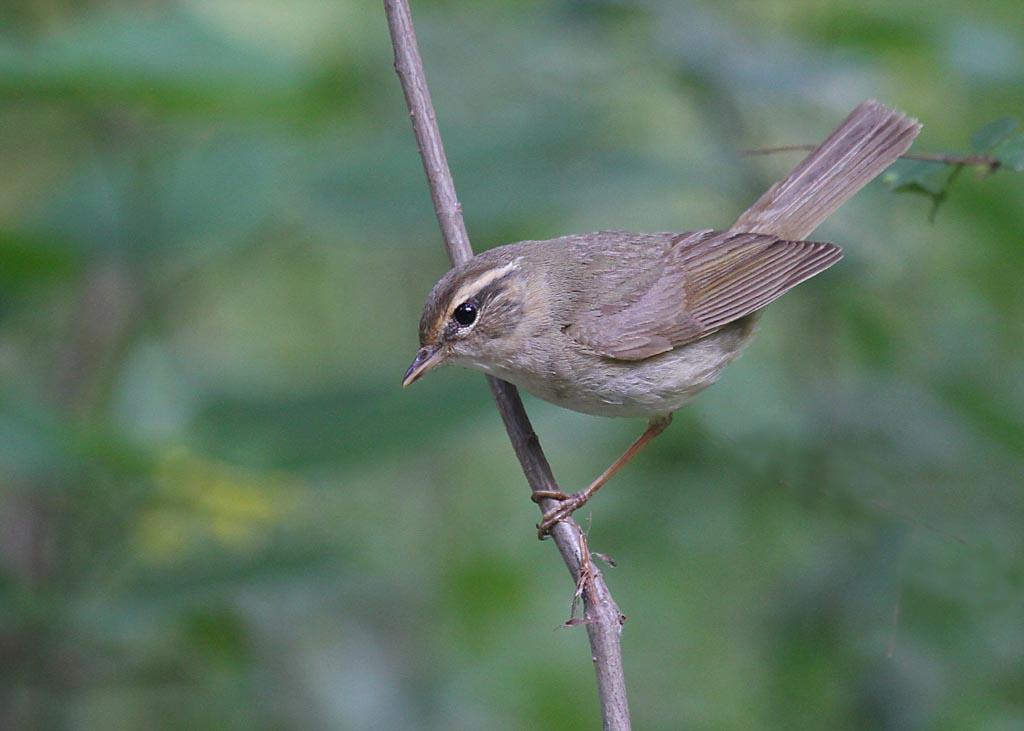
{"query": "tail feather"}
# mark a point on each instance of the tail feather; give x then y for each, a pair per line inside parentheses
(858, 150)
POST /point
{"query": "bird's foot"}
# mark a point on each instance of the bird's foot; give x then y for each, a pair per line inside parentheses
(567, 505)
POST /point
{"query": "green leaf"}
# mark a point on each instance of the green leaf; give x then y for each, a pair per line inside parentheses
(993, 133)
(917, 176)
(1010, 153)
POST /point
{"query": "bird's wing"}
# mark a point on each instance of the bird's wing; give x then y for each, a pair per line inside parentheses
(707, 280)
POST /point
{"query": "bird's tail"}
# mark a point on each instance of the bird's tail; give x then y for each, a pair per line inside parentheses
(866, 143)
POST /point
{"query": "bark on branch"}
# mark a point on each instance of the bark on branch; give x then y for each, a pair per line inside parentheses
(602, 617)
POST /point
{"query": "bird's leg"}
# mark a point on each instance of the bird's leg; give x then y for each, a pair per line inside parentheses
(568, 504)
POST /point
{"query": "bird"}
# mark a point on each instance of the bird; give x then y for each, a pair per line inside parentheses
(615, 323)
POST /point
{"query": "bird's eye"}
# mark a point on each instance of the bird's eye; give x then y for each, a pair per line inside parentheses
(465, 314)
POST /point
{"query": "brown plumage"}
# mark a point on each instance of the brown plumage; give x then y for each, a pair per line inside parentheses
(624, 324)
(707, 279)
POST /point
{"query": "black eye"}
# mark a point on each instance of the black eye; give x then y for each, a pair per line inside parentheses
(465, 314)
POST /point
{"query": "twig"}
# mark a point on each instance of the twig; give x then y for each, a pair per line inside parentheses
(988, 161)
(604, 625)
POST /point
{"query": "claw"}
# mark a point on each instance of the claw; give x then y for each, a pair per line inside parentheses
(568, 504)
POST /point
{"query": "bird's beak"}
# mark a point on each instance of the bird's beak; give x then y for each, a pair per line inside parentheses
(428, 357)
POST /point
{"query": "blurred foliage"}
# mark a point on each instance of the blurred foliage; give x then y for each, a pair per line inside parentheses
(996, 146)
(218, 510)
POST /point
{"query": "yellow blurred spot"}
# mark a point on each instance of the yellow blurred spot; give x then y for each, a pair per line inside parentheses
(199, 502)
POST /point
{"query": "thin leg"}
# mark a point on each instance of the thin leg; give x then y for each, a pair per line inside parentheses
(568, 504)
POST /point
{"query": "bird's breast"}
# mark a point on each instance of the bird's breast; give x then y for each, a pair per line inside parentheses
(575, 378)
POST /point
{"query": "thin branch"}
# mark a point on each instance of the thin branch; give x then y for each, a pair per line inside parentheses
(969, 160)
(409, 67)
(604, 621)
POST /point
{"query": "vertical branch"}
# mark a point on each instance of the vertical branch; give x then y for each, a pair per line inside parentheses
(603, 619)
(409, 67)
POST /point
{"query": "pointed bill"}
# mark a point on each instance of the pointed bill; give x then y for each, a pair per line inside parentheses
(426, 358)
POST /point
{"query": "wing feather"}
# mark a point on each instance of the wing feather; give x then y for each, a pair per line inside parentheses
(708, 280)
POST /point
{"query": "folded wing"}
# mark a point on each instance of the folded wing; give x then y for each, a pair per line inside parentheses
(710, 278)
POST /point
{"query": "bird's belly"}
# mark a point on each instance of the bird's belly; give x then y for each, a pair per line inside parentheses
(651, 387)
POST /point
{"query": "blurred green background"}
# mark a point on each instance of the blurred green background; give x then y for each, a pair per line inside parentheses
(219, 510)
